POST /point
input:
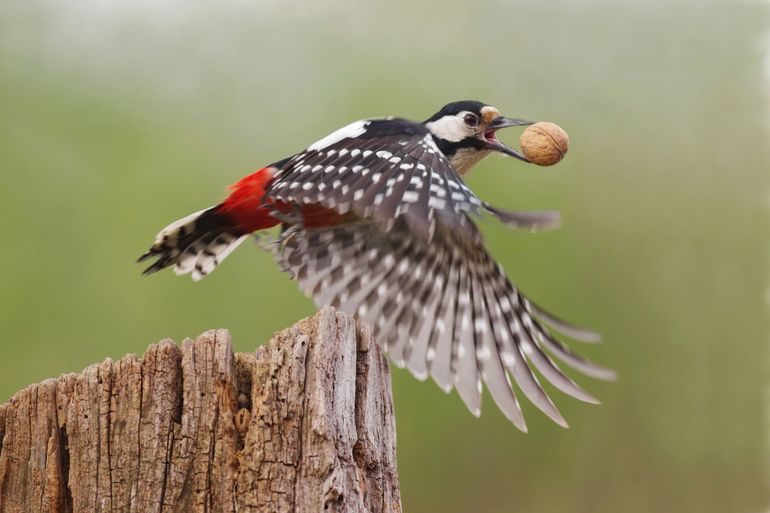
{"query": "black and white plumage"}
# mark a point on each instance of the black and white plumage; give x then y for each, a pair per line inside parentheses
(411, 262)
(194, 244)
(442, 308)
(378, 222)
(381, 169)
(384, 169)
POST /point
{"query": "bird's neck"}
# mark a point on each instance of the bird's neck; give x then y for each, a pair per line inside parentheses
(463, 155)
(464, 159)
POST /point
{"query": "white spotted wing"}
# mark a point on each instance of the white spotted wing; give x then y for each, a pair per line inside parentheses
(382, 169)
(442, 308)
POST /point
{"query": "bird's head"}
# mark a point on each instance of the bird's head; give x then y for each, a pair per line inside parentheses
(465, 132)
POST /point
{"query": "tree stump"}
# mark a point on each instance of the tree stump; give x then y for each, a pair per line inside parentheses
(303, 424)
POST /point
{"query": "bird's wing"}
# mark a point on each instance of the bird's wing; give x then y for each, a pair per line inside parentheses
(386, 170)
(442, 308)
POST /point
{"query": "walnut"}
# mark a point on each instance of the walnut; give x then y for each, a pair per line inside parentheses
(544, 143)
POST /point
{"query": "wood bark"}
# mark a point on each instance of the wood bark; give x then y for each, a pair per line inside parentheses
(303, 424)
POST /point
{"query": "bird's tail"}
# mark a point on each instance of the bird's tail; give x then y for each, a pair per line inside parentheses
(195, 244)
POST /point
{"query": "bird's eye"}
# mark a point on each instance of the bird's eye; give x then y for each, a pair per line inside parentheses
(471, 120)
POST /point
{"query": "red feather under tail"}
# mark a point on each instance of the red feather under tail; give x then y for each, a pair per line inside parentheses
(198, 243)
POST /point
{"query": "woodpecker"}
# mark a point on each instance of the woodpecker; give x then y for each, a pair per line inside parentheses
(377, 221)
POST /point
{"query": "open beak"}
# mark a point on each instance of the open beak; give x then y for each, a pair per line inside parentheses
(490, 137)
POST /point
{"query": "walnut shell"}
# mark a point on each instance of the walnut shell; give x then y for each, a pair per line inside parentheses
(544, 143)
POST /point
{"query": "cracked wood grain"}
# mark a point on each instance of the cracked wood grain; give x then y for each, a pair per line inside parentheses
(303, 424)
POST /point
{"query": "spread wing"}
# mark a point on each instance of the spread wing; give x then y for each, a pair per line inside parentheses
(386, 170)
(442, 308)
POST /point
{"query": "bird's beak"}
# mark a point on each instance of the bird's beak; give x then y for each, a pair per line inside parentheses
(495, 144)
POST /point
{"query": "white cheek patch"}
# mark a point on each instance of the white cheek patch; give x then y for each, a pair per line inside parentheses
(350, 131)
(450, 128)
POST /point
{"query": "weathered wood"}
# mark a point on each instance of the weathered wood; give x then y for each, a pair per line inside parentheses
(305, 423)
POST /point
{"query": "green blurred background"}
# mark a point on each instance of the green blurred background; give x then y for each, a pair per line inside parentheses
(119, 117)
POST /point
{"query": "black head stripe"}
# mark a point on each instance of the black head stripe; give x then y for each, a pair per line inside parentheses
(449, 148)
(454, 108)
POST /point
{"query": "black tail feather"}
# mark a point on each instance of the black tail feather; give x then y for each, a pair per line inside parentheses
(194, 244)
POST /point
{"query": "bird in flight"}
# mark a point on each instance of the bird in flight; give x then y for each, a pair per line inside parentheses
(377, 221)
